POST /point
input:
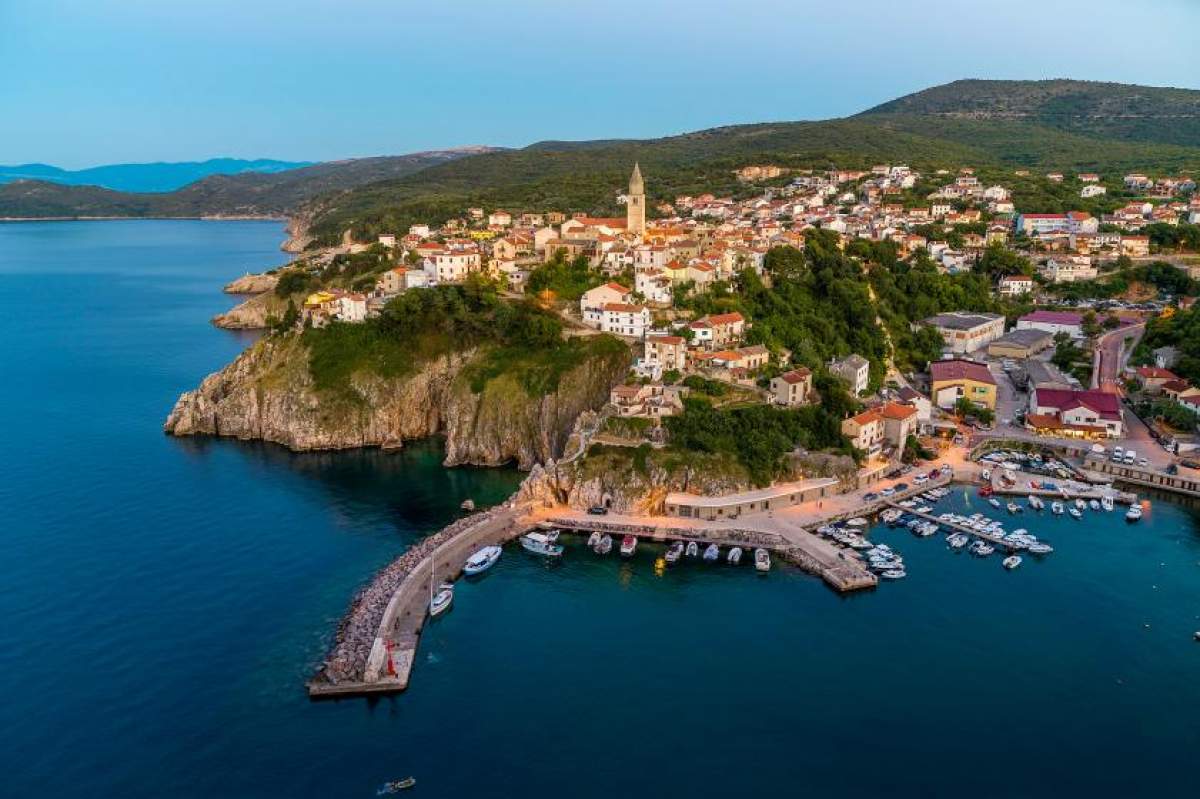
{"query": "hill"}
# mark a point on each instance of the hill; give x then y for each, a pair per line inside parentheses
(156, 177)
(245, 194)
(1091, 108)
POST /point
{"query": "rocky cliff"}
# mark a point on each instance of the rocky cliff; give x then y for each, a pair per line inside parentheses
(267, 393)
(251, 283)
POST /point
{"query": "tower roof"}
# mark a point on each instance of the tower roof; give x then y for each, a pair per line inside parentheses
(636, 185)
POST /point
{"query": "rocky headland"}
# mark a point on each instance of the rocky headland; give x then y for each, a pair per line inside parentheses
(268, 394)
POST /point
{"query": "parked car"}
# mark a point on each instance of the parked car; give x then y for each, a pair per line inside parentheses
(901, 486)
(887, 492)
(1190, 463)
(871, 497)
(921, 478)
(598, 510)
(1143, 462)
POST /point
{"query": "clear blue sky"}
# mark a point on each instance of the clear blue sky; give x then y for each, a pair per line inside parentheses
(86, 82)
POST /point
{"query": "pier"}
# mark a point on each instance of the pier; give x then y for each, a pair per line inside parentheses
(991, 538)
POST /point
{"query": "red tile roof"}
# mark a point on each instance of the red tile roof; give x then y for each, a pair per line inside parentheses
(943, 371)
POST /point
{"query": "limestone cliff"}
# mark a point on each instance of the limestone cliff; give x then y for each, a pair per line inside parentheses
(251, 283)
(267, 393)
(628, 480)
(253, 313)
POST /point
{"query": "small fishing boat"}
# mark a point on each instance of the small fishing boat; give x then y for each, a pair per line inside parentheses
(396, 786)
(1057, 508)
(442, 599)
(995, 503)
(1106, 502)
(893, 574)
(957, 541)
(628, 545)
(1079, 503)
(542, 544)
(674, 553)
(735, 556)
(1014, 507)
(594, 540)
(1011, 562)
(693, 549)
(1076, 513)
(1134, 513)
(1036, 502)
(482, 560)
(605, 545)
(857, 521)
(1039, 548)
(1093, 504)
(712, 552)
(762, 560)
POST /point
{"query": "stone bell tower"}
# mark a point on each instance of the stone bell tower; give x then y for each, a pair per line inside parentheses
(635, 206)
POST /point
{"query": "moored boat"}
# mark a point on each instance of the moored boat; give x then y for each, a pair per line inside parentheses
(542, 544)
(605, 545)
(762, 560)
(712, 552)
(1014, 507)
(893, 574)
(482, 560)
(692, 550)
(1056, 508)
(628, 545)
(735, 556)
(1106, 502)
(1076, 513)
(594, 539)
(1134, 513)
(1093, 504)
(674, 552)
(995, 503)
(442, 599)
(1011, 562)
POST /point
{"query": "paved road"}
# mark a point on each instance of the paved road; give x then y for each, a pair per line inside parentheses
(1111, 356)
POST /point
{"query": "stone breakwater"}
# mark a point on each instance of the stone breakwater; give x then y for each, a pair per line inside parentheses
(356, 633)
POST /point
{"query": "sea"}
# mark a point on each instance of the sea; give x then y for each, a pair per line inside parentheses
(163, 601)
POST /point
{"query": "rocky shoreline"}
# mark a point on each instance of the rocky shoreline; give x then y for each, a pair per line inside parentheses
(347, 659)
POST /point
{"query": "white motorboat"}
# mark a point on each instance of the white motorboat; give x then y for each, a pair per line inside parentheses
(712, 552)
(857, 521)
(1057, 508)
(1106, 502)
(442, 599)
(734, 557)
(605, 545)
(1039, 548)
(762, 560)
(890, 515)
(1014, 507)
(674, 552)
(957, 541)
(594, 540)
(693, 549)
(482, 560)
(995, 503)
(893, 574)
(1080, 504)
(1134, 513)
(628, 545)
(1075, 513)
(1093, 504)
(1011, 562)
(542, 544)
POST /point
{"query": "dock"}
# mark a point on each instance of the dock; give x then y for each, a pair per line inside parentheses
(991, 538)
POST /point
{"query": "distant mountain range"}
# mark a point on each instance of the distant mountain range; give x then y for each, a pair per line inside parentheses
(991, 125)
(156, 177)
(246, 193)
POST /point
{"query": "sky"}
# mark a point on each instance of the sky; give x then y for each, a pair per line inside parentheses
(89, 82)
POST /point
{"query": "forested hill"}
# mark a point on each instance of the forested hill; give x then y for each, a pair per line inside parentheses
(1090, 108)
(246, 193)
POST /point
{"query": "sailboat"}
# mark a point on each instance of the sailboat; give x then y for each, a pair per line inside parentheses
(440, 602)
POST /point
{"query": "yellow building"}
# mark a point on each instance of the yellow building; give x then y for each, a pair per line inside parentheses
(956, 379)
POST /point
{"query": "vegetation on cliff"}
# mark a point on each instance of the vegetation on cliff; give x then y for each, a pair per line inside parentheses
(1180, 330)
(514, 339)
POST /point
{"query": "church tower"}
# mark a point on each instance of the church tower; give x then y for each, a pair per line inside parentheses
(635, 205)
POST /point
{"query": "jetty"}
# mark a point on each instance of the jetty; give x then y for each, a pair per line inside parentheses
(991, 538)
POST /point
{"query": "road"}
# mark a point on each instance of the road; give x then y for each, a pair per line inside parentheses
(1111, 355)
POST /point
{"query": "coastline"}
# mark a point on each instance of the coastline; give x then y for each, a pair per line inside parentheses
(201, 218)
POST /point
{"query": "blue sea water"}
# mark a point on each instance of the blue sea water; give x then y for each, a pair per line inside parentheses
(164, 599)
